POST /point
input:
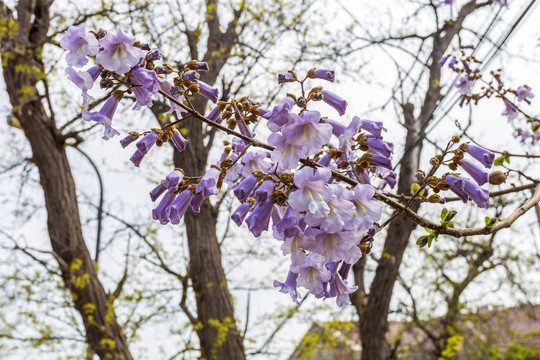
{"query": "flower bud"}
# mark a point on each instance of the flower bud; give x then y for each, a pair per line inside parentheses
(497, 178)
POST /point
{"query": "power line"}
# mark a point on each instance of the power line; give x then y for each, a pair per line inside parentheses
(496, 48)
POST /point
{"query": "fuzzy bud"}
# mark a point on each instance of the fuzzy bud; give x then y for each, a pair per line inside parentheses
(497, 178)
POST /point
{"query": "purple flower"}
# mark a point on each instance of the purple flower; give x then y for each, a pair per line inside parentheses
(289, 286)
(464, 85)
(118, 54)
(147, 142)
(104, 115)
(146, 86)
(327, 75)
(128, 140)
(336, 246)
(477, 194)
(157, 191)
(136, 158)
(214, 114)
(254, 161)
(334, 101)
(259, 219)
(312, 191)
(452, 63)
(178, 140)
(480, 176)
(244, 189)
(303, 137)
(283, 78)
(207, 185)
(373, 127)
(511, 111)
(80, 44)
(381, 161)
(502, 3)
(367, 209)
(339, 287)
(338, 128)
(264, 191)
(443, 60)
(340, 211)
(178, 208)
(161, 211)
(192, 75)
(201, 66)
(383, 148)
(165, 86)
(484, 156)
(207, 91)
(153, 55)
(196, 202)
(291, 224)
(240, 213)
(84, 81)
(388, 176)
(524, 93)
(280, 115)
(312, 274)
(295, 245)
(173, 180)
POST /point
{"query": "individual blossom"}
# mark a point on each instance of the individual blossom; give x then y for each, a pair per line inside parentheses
(105, 114)
(289, 286)
(173, 180)
(501, 3)
(192, 75)
(166, 87)
(118, 54)
(178, 140)
(80, 45)
(380, 147)
(301, 138)
(510, 110)
(214, 114)
(280, 114)
(338, 286)
(524, 93)
(312, 190)
(153, 55)
(84, 80)
(264, 191)
(160, 212)
(292, 223)
(486, 157)
(208, 184)
(196, 202)
(323, 74)
(283, 78)
(207, 91)
(131, 137)
(245, 187)
(477, 194)
(443, 60)
(464, 85)
(157, 192)
(367, 209)
(146, 87)
(254, 161)
(240, 213)
(312, 274)
(480, 176)
(147, 142)
(259, 220)
(374, 127)
(334, 101)
(178, 207)
(340, 211)
(336, 246)
(136, 158)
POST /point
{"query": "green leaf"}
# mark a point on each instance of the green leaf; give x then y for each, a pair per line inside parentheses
(432, 237)
(499, 161)
(444, 212)
(422, 241)
(414, 188)
(490, 222)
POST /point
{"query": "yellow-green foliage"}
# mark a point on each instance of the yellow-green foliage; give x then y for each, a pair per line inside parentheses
(453, 344)
(222, 330)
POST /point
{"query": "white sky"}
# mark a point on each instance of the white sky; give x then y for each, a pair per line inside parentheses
(490, 128)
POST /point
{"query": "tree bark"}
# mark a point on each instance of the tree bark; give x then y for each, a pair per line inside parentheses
(373, 319)
(373, 315)
(21, 59)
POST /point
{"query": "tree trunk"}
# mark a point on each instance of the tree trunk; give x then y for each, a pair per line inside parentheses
(21, 66)
(373, 319)
(218, 334)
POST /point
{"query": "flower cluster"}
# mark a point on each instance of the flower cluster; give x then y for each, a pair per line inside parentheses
(462, 65)
(310, 184)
